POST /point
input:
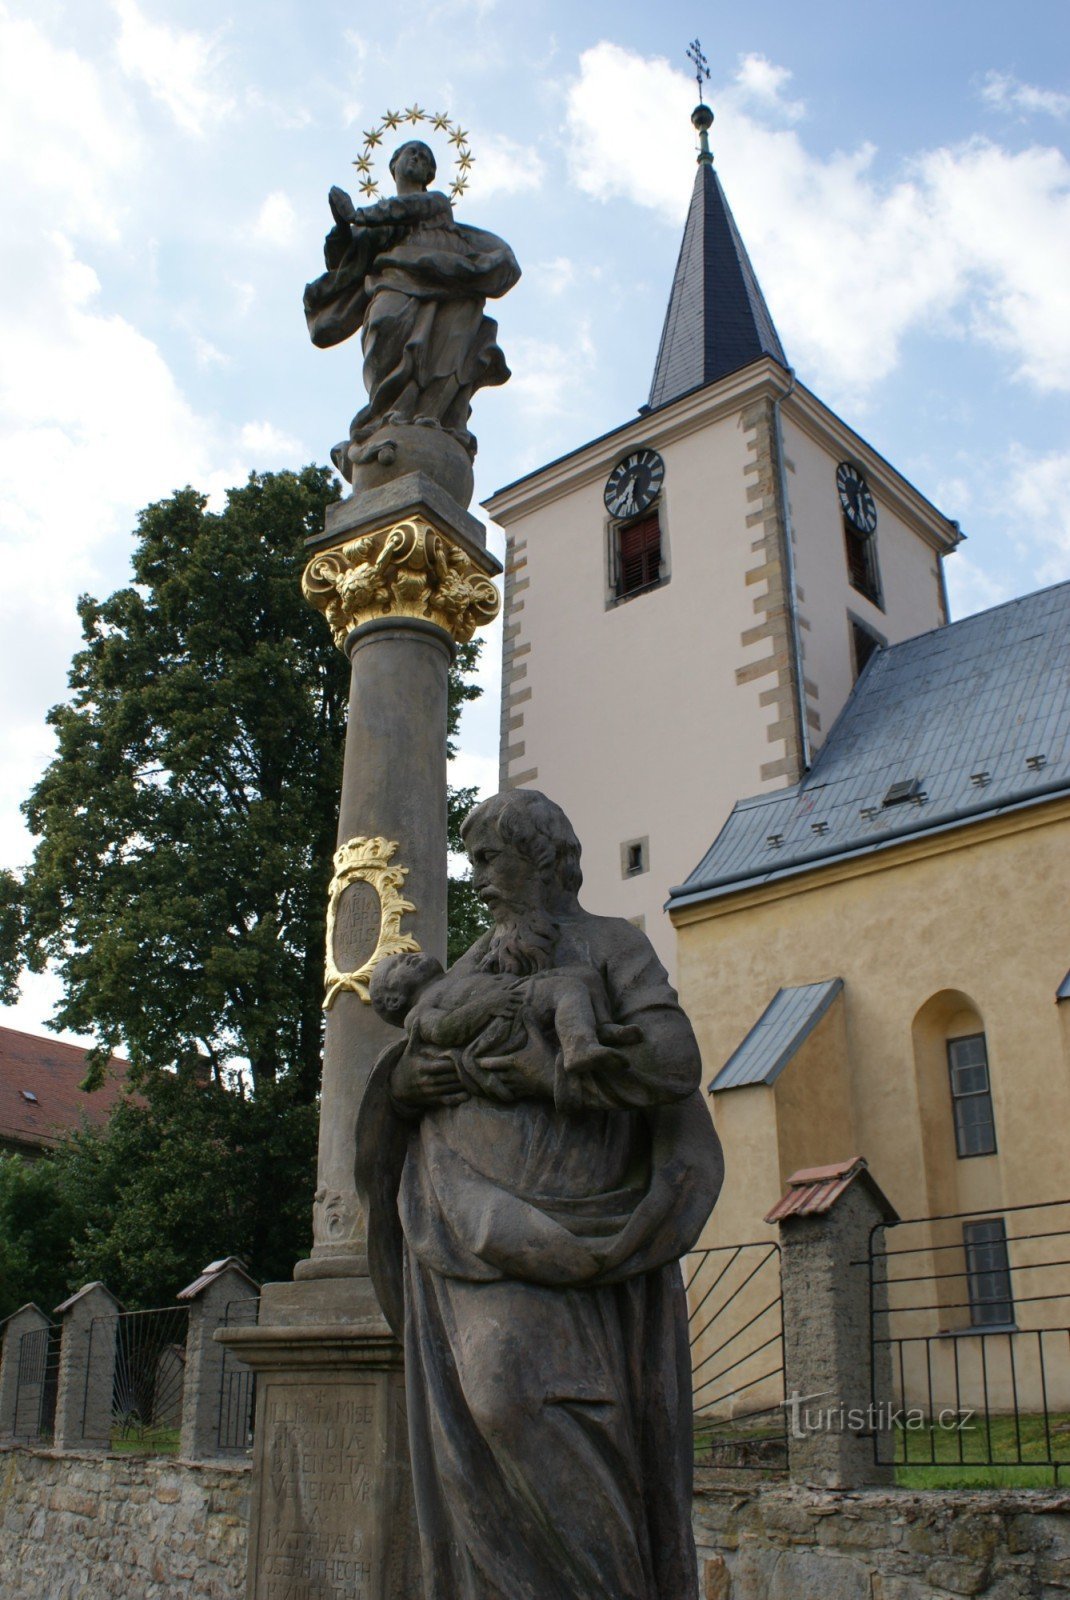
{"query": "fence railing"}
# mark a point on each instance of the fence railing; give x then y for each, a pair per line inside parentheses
(237, 1384)
(736, 1331)
(147, 1351)
(36, 1379)
(970, 1316)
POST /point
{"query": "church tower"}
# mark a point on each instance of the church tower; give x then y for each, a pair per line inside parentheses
(690, 597)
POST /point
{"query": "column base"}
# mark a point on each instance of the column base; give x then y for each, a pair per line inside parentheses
(332, 1507)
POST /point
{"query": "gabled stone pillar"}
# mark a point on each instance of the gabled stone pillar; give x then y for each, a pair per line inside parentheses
(27, 1319)
(86, 1369)
(833, 1389)
(208, 1297)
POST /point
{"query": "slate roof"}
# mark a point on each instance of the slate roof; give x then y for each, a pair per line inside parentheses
(787, 1020)
(812, 1191)
(50, 1071)
(976, 713)
(717, 319)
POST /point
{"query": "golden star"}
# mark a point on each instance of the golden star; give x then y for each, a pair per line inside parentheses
(440, 122)
(392, 119)
(465, 161)
(458, 136)
(369, 186)
(415, 113)
(362, 164)
(373, 138)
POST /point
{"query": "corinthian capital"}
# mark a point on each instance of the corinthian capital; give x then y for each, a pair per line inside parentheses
(407, 570)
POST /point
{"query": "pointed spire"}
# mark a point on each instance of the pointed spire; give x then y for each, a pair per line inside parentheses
(717, 319)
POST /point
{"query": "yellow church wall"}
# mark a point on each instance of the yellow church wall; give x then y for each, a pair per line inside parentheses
(962, 933)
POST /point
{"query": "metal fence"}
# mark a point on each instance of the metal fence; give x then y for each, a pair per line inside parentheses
(147, 1352)
(736, 1329)
(970, 1315)
(237, 1384)
(36, 1381)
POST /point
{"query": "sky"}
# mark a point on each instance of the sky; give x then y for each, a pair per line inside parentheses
(900, 174)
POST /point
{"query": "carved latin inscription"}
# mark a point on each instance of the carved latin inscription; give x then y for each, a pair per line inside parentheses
(317, 1533)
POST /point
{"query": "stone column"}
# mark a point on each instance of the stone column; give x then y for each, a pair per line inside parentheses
(208, 1297)
(13, 1416)
(86, 1369)
(833, 1390)
(401, 574)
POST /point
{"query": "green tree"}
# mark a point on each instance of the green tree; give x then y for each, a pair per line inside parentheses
(186, 829)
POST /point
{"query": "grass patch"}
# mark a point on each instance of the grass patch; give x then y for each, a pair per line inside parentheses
(1000, 1453)
(145, 1441)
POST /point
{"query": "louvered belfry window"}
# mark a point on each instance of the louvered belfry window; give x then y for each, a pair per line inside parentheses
(638, 554)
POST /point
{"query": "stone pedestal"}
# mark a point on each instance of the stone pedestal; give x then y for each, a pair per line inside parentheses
(86, 1369)
(332, 1507)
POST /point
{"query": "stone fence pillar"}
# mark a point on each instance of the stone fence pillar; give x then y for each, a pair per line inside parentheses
(208, 1297)
(86, 1369)
(833, 1390)
(27, 1319)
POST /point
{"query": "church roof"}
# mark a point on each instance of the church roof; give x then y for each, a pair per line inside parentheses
(717, 319)
(944, 729)
(41, 1100)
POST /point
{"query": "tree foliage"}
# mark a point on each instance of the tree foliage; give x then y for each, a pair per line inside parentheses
(186, 828)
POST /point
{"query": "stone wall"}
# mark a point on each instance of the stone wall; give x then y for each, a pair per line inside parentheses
(119, 1527)
(92, 1527)
(781, 1542)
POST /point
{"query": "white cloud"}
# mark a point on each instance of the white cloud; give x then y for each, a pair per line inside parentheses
(501, 166)
(179, 68)
(64, 139)
(970, 238)
(1038, 491)
(553, 277)
(970, 589)
(269, 443)
(207, 354)
(276, 221)
(1005, 92)
(761, 82)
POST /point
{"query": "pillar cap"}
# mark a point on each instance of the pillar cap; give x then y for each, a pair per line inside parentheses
(813, 1191)
(80, 1294)
(214, 1270)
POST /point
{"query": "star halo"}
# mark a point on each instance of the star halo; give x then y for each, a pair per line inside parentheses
(440, 123)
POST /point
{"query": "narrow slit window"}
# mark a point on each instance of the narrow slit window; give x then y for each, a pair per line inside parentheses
(862, 570)
(971, 1096)
(638, 555)
(988, 1273)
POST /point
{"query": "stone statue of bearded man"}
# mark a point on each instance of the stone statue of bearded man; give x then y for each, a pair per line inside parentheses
(525, 1242)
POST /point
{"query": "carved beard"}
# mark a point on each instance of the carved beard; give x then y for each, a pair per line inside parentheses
(523, 942)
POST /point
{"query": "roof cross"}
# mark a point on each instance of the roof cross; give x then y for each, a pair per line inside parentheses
(701, 65)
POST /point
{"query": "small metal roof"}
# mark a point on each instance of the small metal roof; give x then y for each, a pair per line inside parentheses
(717, 320)
(978, 712)
(1063, 991)
(789, 1017)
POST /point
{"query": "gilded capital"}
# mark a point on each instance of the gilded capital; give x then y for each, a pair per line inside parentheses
(407, 570)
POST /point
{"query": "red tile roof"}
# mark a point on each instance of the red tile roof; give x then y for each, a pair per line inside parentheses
(814, 1190)
(50, 1071)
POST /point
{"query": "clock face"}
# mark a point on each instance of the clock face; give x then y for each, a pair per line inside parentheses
(634, 484)
(858, 504)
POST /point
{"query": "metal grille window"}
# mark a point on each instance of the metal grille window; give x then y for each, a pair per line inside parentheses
(971, 1096)
(638, 555)
(988, 1273)
(862, 569)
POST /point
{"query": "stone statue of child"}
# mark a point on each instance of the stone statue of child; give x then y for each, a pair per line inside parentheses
(477, 1014)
